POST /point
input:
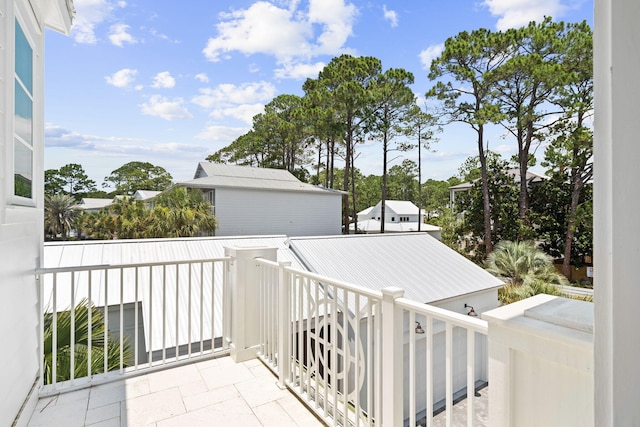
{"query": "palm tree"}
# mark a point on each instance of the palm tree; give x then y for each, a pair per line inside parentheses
(527, 270)
(60, 213)
(81, 344)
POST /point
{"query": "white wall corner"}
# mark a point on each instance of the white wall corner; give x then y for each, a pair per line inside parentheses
(541, 363)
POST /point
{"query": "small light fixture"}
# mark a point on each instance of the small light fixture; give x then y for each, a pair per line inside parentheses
(471, 312)
(419, 329)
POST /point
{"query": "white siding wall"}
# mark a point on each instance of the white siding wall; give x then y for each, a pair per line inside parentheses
(253, 212)
(21, 229)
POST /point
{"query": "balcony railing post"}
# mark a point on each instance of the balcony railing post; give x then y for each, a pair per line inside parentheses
(243, 280)
(392, 354)
(284, 335)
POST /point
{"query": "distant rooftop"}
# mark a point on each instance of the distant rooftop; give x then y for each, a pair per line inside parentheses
(215, 175)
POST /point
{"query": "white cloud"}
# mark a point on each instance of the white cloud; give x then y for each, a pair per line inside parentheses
(202, 77)
(244, 112)
(221, 133)
(429, 54)
(119, 35)
(163, 80)
(240, 102)
(166, 108)
(122, 78)
(518, 13)
(226, 94)
(299, 71)
(90, 14)
(302, 34)
(391, 16)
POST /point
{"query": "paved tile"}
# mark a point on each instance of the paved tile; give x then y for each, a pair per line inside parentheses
(224, 375)
(211, 397)
(153, 407)
(261, 390)
(71, 414)
(103, 413)
(273, 415)
(213, 392)
(173, 377)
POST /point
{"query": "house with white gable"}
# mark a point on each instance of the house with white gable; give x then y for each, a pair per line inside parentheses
(401, 216)
(260, 201)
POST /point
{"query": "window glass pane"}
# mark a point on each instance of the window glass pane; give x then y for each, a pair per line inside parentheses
(23, 173)
(23, 114)
(24, 59)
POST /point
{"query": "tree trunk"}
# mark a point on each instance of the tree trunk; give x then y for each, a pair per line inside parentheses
(384, 183)
(488, 245)
(576, 185)
(353, 187)
(419, 179)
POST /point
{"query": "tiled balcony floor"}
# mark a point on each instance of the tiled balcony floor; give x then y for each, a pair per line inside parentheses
(215, 392)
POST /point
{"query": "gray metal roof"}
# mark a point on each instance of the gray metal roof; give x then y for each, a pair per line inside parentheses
(214, 175)
(88, 203)
(134, 251)
(428, 270)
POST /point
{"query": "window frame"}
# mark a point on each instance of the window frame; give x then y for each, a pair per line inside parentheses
(32, 33)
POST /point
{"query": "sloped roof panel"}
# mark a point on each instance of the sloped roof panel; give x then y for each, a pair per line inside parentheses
(220, 175)
(428, 270)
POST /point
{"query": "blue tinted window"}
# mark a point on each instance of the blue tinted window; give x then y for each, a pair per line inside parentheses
(23, 115)
(24, 59)
(23, 170)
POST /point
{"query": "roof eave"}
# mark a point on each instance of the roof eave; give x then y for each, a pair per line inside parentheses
(55, 14)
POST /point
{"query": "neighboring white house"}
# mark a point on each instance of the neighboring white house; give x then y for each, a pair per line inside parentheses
(532, 178)
(89, 204)
(261, 201)
(22, 28)
(400, 217)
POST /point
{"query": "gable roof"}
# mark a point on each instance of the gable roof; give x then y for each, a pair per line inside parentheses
(145, 194)
(216, 175)
(400, 207)
(428, 270)
(89, 203)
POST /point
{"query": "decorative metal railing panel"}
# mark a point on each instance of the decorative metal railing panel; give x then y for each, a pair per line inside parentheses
(331, 339)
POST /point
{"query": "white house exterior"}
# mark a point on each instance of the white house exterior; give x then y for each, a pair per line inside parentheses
(400, 217)
(22, 27)
(261, 201)
(532, 178)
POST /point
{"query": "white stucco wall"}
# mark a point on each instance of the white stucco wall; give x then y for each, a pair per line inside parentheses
(259, 212)
(21, 229)
(541, 363)
(616, 206)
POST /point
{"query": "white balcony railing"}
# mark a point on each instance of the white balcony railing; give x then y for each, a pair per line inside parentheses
(354, 354)
(163, 313)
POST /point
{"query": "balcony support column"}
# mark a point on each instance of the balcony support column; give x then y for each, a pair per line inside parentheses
(284, 325)
(392, 358)
(244, 317)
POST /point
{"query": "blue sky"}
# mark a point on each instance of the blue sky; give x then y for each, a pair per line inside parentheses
(172, 82)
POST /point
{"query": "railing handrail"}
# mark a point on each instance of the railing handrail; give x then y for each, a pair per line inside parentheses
(456, 319)
(324, 279)
(47, 270)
